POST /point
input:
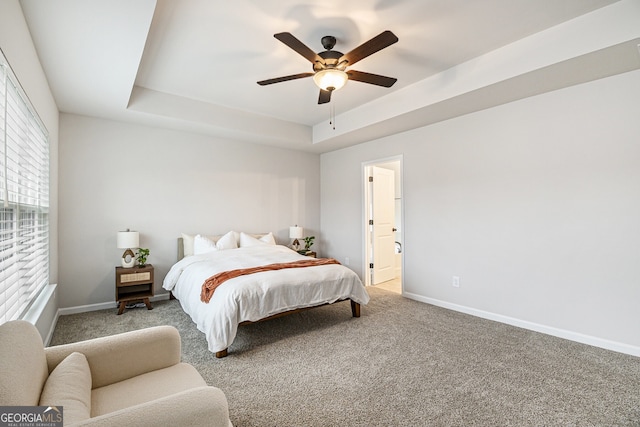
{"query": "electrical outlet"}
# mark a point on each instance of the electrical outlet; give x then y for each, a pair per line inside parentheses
(455, 282)
(346, 261)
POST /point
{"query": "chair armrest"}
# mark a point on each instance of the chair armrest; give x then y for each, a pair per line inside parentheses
(201, 406)
(118, 357)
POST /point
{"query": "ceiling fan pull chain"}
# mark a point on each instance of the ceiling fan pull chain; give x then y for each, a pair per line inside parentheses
(332, 114)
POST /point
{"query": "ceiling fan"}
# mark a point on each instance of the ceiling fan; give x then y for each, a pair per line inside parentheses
(330, 67)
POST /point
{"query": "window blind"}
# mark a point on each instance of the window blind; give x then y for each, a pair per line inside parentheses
(24, 199)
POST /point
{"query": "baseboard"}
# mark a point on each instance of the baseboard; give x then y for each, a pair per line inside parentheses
(560, 333)
(87, 308)
(101, 306)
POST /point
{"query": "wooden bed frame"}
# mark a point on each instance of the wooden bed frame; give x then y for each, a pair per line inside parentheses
(355, 307)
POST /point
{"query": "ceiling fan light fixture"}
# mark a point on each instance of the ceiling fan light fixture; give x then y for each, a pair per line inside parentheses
(330, 79)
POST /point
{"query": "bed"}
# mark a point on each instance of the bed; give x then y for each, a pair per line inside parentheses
(252, 297)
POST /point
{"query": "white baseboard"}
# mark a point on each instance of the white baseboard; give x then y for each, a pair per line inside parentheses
(561, 333)
(101, 306)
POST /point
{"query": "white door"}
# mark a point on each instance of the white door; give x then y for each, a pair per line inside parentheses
(383, 201)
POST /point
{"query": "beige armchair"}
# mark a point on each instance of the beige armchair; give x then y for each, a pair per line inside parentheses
(135, 378)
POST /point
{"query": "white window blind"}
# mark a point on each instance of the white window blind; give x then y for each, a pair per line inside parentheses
(24, 199)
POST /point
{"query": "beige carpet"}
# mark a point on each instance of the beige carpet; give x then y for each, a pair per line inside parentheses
(403, 363)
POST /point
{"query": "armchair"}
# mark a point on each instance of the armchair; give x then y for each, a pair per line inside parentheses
(134, 378)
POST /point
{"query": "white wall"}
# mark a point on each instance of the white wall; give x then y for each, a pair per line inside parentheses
(18, 48)
(534, 204)
(161, 183)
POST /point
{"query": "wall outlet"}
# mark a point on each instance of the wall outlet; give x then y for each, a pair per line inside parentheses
(455, 281)
(346, 261)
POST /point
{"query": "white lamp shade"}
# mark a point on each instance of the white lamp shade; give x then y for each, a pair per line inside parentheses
(330, 79)
(295, 232)
(128, 239)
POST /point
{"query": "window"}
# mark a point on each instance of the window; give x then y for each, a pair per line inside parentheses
(24, 199)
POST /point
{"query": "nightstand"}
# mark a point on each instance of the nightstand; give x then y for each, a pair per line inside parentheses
(311, 254)
(134, 284)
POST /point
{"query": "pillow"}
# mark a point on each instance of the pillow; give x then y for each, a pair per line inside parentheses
(247, 240)
(228, 241)
(268, 239)
(202, 245)
(69, 386)
(188, 242)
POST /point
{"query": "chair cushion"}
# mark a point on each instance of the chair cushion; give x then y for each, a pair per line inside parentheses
(69, 386)
(144, 388)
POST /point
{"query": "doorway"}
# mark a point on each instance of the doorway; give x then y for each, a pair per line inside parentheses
(382, 222)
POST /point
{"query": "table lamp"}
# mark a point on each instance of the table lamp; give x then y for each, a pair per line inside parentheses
(127, 240)
(295, 233)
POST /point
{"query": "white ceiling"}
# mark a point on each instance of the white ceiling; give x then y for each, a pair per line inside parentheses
(193, 64)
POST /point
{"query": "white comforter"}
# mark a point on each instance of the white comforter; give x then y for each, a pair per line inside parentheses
(255, 296)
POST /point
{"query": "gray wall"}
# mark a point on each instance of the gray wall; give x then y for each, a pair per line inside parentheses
(534, 204)
(162, 183)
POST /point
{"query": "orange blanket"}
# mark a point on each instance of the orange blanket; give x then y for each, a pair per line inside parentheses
(209, 286)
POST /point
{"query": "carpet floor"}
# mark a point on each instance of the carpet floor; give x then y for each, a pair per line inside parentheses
(403, 363)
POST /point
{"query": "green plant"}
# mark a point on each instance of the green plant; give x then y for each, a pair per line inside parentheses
(308, 242)
(141, 257)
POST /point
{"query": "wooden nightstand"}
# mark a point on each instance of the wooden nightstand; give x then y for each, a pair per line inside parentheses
(312, 254)
(134, 284)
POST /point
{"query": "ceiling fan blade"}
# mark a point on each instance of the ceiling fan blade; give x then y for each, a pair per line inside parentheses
(284, 78)
(374, 79)
(298, 46)
(382, 40)
(325, 96)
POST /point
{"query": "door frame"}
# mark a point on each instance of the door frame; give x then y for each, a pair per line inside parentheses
(366, 212)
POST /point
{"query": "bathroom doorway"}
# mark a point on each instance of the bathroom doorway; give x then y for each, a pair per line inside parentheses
(383, 228)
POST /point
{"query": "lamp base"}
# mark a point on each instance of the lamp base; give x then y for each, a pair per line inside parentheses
(128, 259)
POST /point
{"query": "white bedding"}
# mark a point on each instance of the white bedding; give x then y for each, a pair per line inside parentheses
(255, 296)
